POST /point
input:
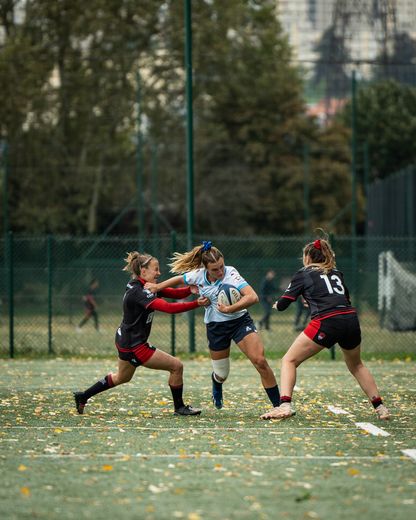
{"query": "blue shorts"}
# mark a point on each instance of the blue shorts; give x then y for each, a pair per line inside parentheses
(221, 333)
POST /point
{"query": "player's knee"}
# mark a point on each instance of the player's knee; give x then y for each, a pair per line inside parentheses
(177, 366)
(260, 363)
(289, 359)
(120, 378)
(221, 368)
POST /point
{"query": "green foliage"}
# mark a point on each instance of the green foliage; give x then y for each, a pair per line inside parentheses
(69, 74)
(386, 121)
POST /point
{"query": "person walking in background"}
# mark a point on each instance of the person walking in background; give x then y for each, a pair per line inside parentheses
(204, 267)
(334, 320)
(302, 314)
(139, 305)
(267, 297)
(90, 305)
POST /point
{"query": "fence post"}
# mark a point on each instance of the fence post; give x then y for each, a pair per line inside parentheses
(354, 181)
(173, 316)
(10, 287)
(306, 184)
(332, 242)
(49, 245)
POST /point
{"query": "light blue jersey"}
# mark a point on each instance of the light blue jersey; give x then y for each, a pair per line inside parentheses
(209, 289)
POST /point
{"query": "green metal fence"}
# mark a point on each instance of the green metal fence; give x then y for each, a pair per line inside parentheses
(43, 280)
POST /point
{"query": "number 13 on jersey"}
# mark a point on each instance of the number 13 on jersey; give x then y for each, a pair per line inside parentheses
(333, 284)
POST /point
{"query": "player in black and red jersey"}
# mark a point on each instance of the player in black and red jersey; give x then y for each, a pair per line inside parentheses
(133, 348)
(333, 320)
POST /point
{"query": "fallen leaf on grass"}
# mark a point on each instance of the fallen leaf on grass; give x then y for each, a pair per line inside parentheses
(22, 467)
(194, 516)
(353, 471)
(25, 491)
(107, 467)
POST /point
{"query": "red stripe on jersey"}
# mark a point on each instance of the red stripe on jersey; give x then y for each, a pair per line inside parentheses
(288, 297)
(335, 313)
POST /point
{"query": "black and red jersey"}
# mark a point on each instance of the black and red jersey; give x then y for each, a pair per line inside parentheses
(139, 305)
(137, 317)
(326, 293)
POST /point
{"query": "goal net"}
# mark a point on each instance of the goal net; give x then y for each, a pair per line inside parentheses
(396, 294)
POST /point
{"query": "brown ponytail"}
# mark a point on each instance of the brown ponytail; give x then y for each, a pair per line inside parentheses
(135, 261)
(321, 254)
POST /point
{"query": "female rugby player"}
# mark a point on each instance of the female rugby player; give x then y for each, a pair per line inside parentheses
(133, 348)
(204, 267)
(333, 320)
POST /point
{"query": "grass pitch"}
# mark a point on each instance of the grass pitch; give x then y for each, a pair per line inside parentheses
(130, 457)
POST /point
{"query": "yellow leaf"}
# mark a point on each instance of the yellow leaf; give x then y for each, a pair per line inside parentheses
(22, 467)
(107, 467)
(339, 453)
(194, 516)
(25, 491)
(353, 471)
(125, 457)
(57, 430)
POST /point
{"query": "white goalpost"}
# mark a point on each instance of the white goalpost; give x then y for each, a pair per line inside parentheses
(396, 294)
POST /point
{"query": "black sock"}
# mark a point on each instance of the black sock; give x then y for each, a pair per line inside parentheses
(273, 394)
(376, 401)
(177, 392)
(216, 383)
(285, 399)
(99, 386)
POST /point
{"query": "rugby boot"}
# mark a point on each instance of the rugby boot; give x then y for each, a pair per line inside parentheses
(382, 412)
(80, 402)
(187, 410)
(284, 411)
(216, 393)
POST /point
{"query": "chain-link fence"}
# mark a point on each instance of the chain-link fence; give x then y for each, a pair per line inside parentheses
(44, 280)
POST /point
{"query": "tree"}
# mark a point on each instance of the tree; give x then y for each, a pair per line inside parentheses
(386, 121)
(70, 117)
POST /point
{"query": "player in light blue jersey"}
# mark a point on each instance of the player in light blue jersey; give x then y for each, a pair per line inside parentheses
(203, 267)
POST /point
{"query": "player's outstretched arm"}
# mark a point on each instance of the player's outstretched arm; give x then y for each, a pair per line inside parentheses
(176, 307)
(170, 282)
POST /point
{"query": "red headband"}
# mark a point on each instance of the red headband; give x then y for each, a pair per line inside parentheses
(317, 244)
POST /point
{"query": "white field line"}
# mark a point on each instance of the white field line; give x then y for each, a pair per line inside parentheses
(179, 429)
(192, 429)
(370, 428)
(271, 428)
(337, 411)
(206, 456)
(410, 453)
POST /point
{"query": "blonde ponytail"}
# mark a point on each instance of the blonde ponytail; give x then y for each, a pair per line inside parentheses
(199, 256)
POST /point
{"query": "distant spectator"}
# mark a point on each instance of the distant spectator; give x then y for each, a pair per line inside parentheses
(90, 305)
(267, 298)
(302, 314)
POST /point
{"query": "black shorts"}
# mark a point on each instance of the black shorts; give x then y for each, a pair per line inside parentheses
(137, 355)
(221, 333)
(343, 329)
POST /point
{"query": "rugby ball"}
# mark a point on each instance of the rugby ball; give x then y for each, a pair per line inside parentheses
(228, 294)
